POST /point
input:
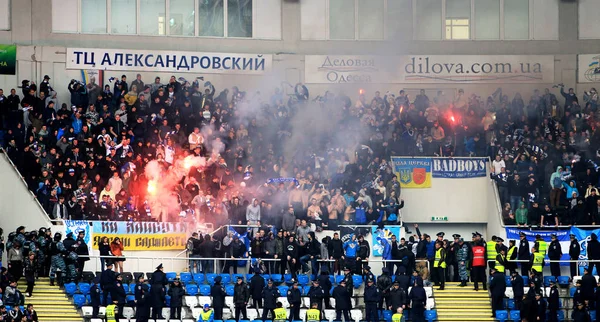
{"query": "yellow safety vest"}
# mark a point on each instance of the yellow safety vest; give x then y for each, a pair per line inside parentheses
(206, 315)
(438, 257)
(397, 317)
(110, 313)
(538, 260)
(313, 315)
(491, 250)
(542, 246)
(510, 252)
(500, 267)
(280, 314)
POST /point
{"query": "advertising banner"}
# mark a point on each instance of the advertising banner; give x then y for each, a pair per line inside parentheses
(414, 69)
(168, 61)
(561, 235)
(382, 240)
(142, 235)
(457, 168)
(588, 68)
(8, 60)
(412, 172)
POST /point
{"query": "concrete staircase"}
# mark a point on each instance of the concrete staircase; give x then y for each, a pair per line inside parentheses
(50, 302)
(462, 304)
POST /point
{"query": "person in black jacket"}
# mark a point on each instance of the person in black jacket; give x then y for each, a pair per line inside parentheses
(518, 287)
(294, 297)
(142, 303)
(524, 253)
(107, 280)
(342, 302)
(540, 305)
(176, 293)
(241, 295)
(554, 253)
(158, 280)
(312, 254)
(325, 283)
(497, 288)
(257, 284)
(118, 294)
(218, 294)
(580, 313)
(553, 302)
(418, 299)
(270, 294)
(336, 252)
(588, 285)
(593, 251)
(397, 298)
(349, 281)
(83, 253)
(384, 285)
(291, 252)
(316, 294)
(574, 252)
(371, 296)
(362, 254)
(95, 297)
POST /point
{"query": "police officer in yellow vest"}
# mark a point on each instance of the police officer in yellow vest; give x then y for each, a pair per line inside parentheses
(313, 314)
(111, 312)
(500, 263)
(207, 314)
(280, 313)
(541, 244)
(439, 265)
(537, 262)
(397, 317)
(511, 256)
(490, 249)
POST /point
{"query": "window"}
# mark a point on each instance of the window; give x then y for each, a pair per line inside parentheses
(516, 19)
(589, 20)
(341, 19)
(239, 18)
(370, 19)
(4, 15)
(123, 17)
(457, 28)
(65, 14)
(153, 13)
(181, 18)
(93, 16)
(487, 19)
(428, 20)
(458, 15)
(211, 18)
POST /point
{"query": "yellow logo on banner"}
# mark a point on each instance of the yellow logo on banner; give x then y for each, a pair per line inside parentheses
(413, 172)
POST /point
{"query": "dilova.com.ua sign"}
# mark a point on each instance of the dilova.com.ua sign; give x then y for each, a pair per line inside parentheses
(429, 69)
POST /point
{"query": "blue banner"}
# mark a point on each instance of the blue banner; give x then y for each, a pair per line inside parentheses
(452, 168)
(382, 240)
(583, 236)
(561, 235)
(75, 226)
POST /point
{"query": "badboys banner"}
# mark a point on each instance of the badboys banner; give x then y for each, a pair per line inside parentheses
(168, 61)
(561, 235)
(382, 244)
(142, 235)
(456, 168)
(412, 172)
(326, 69)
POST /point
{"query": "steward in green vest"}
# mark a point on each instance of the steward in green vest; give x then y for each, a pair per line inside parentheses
(280, 313)
(397, 317)
(313, 314)
(111, 312)
(491, 253)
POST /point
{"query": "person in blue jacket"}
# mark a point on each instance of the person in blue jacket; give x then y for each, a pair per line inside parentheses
(350, 248)
(207, 314)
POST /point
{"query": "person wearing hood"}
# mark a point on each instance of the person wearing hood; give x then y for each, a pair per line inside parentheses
(418, 299)
(521, 215)
(253, 215)
(593, 250)
(556, 183)
(572, 191)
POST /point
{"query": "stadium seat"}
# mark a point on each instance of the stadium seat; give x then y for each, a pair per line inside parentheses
(357, 280)
(252, 315)
(228, 302)
(191, 289)
(84, 288)
(287, 278)
(572, 291)
(339, 278)
(277, 278)
(70, 288)
(356, 315)
(166, 312)
(548, 279)
(330, 315)
(428, 291)
(210, 278)
(430, 315)
(196, 313)
(127, 277)
(190, 301)
(87, 276)
(206, 300)
(332, 280)
(248, 277)
(515, 315)
(561, 315)
(525, 280)
(509, 293)
(510, 304)
(128, 312)
(231, 321)
(235, 276)
(430, 304)
(168, 300)
(96, 320)
(283, 290)
(387, 315)
(131, 288)
(225, 279)
(305, 290)
(284, 301)
(229, 289)
(508, 281)
(205, 290)
(563, 281)
(501, 315)
(303, 279)
(265, 276)
(171, 276)
(79, 300)
(186, 277)
(199, 278)
(125, 287)
(87, 311)
(305, 302)
(593, 315)
(130, 299)
(102, 311)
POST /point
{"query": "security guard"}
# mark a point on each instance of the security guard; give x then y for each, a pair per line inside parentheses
(541, 244)
(397, 317)
(500, 263)
(463, 256)
(142, 300)
(554, 254)
(207, 314)
(95, 297)
(524, 254)
(553, 302)
(294, 297)
(371, 297)
(280, 313)
(313, 314)
(574, 252)
(537, 262)
(111, 312)
(491, 252)
(439, 265)
(478, 270)
(511, 256)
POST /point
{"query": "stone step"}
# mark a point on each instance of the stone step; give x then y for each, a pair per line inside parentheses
(452, 306)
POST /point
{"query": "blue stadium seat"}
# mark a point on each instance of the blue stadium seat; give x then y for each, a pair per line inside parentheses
(525, 280)
(357, 280)
(430, 315)
(515, 315)
(186, 277)
(593, 315)
(548, 279)
(572, 291)
(303, 279)
(287, 278)
(248, 277)
(283, 290)
(244, 320)
(277, 278)
(84, 288)
(70, 288)
(508, 281)
(131, 288)
(79, 300)
(257, 320)
(305, 290)
(168, 300)
(225, 279)
(205, 290)
(210, 278)
(501, 315)
(229, 289)
(563, 280)
(387, 315)
(88, 299)
(125, 287)
(561, 315)
(217, 320)
(511, 304)
(339, 278)
(265, 276)
(129, 299)
(199, 278)
(171, 276)
(231, 321)
(191, 289)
